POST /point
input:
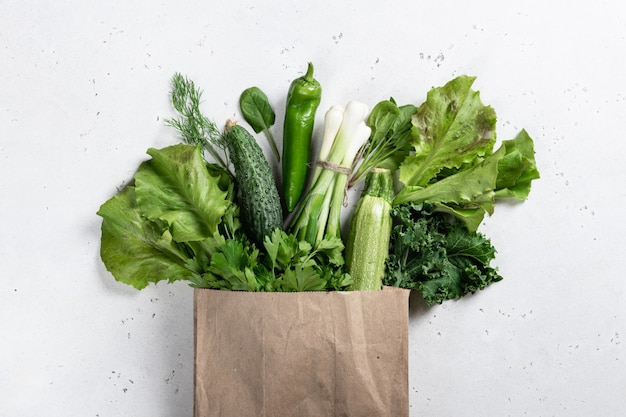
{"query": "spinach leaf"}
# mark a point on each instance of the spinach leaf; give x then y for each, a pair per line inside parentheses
(257, 111)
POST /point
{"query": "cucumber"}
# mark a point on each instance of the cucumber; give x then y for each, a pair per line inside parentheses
(367, 247)
(261, 210)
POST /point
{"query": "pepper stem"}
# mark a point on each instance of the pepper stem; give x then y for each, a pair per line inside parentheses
(309, 72)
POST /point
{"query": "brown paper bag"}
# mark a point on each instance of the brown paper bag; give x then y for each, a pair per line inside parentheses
(301, 354)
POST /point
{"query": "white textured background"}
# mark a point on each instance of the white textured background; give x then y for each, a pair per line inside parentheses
(84, 92)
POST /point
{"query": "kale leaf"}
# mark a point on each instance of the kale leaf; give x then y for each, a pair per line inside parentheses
(436, 255)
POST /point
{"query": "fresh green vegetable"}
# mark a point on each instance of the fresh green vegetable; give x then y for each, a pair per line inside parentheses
(163, 226)
(517, 169)
(452, 129)
(259, 201)
(390, 141)
(370, 230)
(179, 221)
(436, 256)
(186, 216)
(193, 126)
(319, 214)
(257, 111)
(453, 164)
(469, 192)
(303, 99)
(452, 178)
(285, 264)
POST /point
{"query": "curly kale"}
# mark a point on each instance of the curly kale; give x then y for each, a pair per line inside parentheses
(436, 255)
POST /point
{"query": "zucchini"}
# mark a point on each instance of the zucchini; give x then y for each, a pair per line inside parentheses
(367, 247)
(261, 211)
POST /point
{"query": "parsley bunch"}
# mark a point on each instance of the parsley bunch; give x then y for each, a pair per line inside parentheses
(286, 264)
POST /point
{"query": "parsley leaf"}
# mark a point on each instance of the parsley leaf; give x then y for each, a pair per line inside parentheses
(286, 264)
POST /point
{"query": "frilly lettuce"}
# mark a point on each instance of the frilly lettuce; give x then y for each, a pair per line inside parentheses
(454, 165)
(453, 169)
(152, 229)
(451, 129)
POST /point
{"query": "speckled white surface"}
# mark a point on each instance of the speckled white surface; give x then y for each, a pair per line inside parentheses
(84, 92)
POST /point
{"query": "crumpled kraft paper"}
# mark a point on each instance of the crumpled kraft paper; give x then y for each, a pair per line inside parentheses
(301, 354)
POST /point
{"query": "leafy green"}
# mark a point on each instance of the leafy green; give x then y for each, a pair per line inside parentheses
(451, 129)
(437, 256)
(164, 225)
(175, 186)
(517, 169)
(137, 251)
(453, 165)
(297, 266)
(257, 111)
(232, 267)
(286, 264)
(473, 186)
(390, 140)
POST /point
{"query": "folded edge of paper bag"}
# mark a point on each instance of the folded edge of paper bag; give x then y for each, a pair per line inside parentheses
(305, 354)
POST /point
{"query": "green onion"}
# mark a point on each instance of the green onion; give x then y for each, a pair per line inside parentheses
(319, 214)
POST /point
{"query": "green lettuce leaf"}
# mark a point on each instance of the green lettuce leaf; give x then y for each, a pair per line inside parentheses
(451, 129)
(517, 169)
(137, 251)
(471, 217)
(470, 193)
(165, 226)
(474, 185)
(176, 186)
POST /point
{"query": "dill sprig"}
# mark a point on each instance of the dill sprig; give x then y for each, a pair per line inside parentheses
(194, 127)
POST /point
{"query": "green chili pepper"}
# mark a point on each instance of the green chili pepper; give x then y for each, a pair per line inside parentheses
(303, 99)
